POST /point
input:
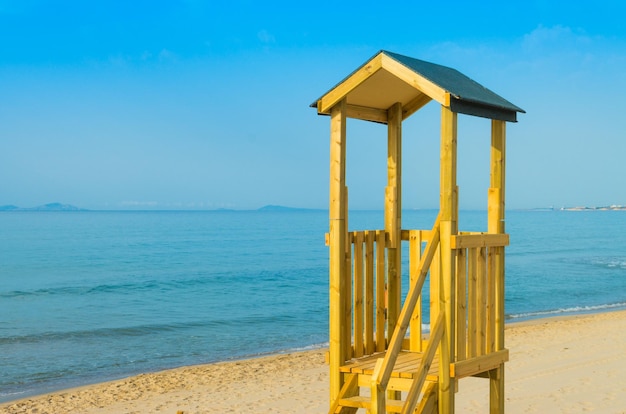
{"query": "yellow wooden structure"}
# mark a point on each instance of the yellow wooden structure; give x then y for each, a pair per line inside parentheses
(380, 359)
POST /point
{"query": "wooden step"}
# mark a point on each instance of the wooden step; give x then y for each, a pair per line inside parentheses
(393, 406)
(395, 384)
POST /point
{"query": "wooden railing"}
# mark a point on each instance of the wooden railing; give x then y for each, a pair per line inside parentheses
(479, 292)
(367, 260)
(479, 301)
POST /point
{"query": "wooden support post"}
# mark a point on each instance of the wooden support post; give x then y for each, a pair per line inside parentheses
(346, 294)
(449, 223)
(415, 255)
(393, 213)
(495, 212)
(377, 392)
(337, 245)
(393, 218)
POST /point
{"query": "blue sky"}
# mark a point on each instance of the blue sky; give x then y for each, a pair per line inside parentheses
(200, 104)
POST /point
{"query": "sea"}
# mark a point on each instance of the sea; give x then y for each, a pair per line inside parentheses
(92, 296)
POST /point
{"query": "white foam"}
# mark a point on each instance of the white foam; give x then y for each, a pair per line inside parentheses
(575, 309)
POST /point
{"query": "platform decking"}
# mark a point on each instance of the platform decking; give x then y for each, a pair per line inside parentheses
(406, 365)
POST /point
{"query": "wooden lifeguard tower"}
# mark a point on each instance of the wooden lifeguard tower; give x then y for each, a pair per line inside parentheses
(374, 365)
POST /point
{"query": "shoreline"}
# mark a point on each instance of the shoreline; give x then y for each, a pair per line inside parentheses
(531, 319)
(575, 361)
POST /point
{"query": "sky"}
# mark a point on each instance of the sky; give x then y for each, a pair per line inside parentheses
(195, 104)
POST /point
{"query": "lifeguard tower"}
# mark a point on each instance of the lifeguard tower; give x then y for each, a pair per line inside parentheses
(374, 365)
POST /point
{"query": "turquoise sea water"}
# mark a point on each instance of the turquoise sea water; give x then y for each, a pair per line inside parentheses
(92, 296)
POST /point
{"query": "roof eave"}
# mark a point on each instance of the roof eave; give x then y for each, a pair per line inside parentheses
(484, 111)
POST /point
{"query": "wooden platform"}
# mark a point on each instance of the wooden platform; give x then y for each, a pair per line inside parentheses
(406, 365)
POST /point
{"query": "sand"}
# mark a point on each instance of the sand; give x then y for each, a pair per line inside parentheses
(560, 365)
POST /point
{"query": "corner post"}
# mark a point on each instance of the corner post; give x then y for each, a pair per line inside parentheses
(337, 246)
(448, 228)
(495, 213)
(393, 213)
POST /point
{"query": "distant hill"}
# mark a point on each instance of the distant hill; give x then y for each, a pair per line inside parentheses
(283, 208)
(45, 207)
(9, 208)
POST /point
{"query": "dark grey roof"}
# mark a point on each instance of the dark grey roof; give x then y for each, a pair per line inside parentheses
(453, 81)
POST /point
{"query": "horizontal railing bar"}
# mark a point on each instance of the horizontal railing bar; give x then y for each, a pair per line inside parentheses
(463, 240)
(466, 241)
(405, 235)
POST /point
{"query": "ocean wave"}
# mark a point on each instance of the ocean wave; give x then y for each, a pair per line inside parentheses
(11, 395)
(197, 281)
(102, 333)
(610, 262)
(244, 321)
(79, 290)
(574, 309)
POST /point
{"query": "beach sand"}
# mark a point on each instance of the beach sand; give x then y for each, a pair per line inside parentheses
(559, 365)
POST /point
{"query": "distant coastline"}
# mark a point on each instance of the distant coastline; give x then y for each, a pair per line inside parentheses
(279, 208)
(69, 207)
(45, 207)
(603, 208)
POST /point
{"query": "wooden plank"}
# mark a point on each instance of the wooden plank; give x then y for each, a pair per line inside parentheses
(481, 302)
(415, 254)
(369, 292)
(395, 384)
(434, 285)
(424, 234)
(357, 295)
(392, 406)
(491, 300)
(393, 289)
(476, 365)
(340, 91)
(418, 82)
(381, 305)
(428, 403)
(337, 232)
(415, 105)
(366, 113)
(499, 297)
(465, 241)
(461, 304)
(405, 367)
(472, 316)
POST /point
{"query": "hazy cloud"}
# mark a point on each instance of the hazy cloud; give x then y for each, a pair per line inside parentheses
(555, 38)
(166, 55)
(266, 37)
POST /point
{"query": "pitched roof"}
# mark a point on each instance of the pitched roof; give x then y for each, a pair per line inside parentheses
(388, 78)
